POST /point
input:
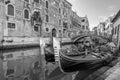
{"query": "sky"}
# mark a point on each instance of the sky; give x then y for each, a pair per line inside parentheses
(96, 10)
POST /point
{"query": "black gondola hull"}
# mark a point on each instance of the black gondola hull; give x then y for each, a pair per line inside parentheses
(72, 66)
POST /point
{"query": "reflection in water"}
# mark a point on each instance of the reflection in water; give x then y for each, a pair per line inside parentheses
(22, 64)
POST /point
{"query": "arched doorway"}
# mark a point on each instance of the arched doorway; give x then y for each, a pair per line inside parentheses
(53, 32)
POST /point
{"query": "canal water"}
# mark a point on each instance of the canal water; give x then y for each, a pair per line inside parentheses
(29, 64)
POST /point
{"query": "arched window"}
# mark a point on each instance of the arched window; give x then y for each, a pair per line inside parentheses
(10, 10)
(26, 14)
(54, 32)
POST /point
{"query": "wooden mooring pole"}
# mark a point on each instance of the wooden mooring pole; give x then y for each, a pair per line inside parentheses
(43, 62)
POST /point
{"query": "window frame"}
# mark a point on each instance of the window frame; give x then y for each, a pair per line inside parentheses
(24, 14)
(7, 10)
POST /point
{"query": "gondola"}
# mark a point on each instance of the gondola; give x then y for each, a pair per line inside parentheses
(100, 53)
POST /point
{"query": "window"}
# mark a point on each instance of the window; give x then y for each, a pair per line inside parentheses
(36, 28)
(54, 32)
(116, 30)
(47, 18)
(59, 22)
(10, 72)
(47, 29)
(26, 14)
(59, 31)
(83, 20)
(11, 25)
(26, 1)
(10, 10)
(46, 4)
(64, 30)
(9, 56)
(59, 11)
(26, 78)
(83, 27)
(36, 65)
(37, 1)
(65, 25)
(87, 27)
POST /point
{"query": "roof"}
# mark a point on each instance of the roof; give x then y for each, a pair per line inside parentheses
(68, 2)
(116, 17)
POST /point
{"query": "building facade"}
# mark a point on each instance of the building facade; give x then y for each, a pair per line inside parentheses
(34, 18)
(85, 23)
(21, 18)
(116, 28)
(108, 26)
(66, 10)
(79, 25)
(52, 16)
(101, 28)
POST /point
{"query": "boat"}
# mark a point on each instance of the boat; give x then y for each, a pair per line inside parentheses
(96, 52)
